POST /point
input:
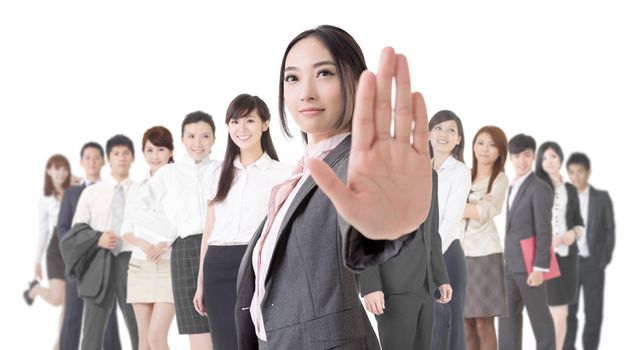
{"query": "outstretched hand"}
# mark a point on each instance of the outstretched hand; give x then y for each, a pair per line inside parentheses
(389, 187)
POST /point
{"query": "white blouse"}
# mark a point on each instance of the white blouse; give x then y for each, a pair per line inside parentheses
(480, 237)
(246, 204)
(145, 218)
(181, 189)
(47, 211)
(559, 217)
(454, 182)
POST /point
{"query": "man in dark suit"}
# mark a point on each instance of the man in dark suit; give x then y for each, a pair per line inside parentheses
(407, 282)
(529, 213)
(92, 160)
(595, 252)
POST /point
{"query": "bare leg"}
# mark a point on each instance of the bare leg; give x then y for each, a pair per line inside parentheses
(53, 295)
(143, 313)
(471, 334)
(486, 333)
(560, 318)
(59, 327)
(162, 317)
(200, 341)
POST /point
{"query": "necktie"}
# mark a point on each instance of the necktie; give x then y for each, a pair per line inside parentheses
(508, 198)
(116, 211)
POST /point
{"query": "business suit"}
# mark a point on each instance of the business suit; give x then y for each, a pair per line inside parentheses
(73, 304)
(408, 282)
(529, 215)
(311, 299)
(600, 238)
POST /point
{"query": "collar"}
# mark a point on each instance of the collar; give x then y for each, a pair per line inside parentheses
(264, 162)
(327, 145)
(190, 161)
(449, 163)
(520, 181)
(112, 183)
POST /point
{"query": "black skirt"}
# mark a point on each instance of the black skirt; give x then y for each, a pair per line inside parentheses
(54, 262)
(563, 289)
(185, 260)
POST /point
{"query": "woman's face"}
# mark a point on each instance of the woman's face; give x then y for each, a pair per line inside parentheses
(444, 137)
(312, 93)
(198, 138)
(156, 156)
(246, 132)
(485, 149)
(58, 174)
(551, 163)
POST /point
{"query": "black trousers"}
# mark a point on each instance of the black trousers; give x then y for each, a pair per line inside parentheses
(71, 325)
(449, 320)
(220, 271)
(408, 320)
(592, 281)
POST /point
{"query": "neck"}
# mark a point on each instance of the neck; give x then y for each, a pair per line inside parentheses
(58, 189)
(93, 178)
(250, 156)
(485, 169)
(555, 178)
(439, 159)
(119, 177)
(317, 138)
(519, 176)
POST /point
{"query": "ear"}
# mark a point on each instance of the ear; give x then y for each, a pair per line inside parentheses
(265, 126)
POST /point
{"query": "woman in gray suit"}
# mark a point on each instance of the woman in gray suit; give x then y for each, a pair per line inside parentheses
(294, 292)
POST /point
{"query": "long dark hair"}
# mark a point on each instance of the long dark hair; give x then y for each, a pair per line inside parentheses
(350, 64)
(539, 169)
(499, 139)
(56, 161)
(240, 107)
(444, 116)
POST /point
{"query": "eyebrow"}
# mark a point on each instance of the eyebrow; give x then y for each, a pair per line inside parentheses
(316, 65)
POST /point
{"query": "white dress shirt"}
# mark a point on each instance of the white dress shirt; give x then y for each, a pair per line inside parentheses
(515, 186)
(47, 212)
(144, 218)
(94, 206)
(454, 183)
(181, 188)
(559, 217)
(312, 151)
(584, 200)
(246, 204)
(480, 236)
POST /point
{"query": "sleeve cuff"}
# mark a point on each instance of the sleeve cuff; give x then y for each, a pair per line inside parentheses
(540, 269)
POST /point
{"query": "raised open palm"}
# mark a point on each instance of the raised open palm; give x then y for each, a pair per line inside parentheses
(388, 193)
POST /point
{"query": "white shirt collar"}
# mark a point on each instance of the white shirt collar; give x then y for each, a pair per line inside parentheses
(264, 162)
(449, 163)
(112, 182)
(189, 160)
(313, 151)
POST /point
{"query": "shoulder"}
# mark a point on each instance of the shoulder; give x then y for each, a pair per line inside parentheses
(539, 185)
(603, 194)
(74, 190)
(571, 189)
(501, 179)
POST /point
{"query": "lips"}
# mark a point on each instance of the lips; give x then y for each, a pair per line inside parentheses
(243, 138)
(311, 111)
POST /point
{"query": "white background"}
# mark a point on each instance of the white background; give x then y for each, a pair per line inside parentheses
(71, 72)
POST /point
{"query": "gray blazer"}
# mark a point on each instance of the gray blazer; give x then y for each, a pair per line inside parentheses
(530, 215)
(67, 209)
(600, 228)
(311, 299)
(421, 261)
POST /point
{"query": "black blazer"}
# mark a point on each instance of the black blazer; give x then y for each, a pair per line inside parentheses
(419, 262)
(311, 298)
(67, 209)
(530, 215)
(573, 215)
(600, 228)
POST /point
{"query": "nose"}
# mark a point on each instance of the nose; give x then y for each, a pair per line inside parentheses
(308, 92)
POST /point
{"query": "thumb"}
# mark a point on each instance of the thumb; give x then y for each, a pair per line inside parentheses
(329, 183)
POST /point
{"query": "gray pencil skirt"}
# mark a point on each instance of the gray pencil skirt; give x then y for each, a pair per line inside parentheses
(486, 288)
(185, 260)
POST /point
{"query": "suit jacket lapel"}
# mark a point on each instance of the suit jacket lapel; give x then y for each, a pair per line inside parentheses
(518, 197)
(592, 199)
(333, 157)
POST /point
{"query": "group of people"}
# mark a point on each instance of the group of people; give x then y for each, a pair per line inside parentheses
(250, 253)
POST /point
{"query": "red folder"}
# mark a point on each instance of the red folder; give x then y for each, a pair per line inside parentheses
(528, 251)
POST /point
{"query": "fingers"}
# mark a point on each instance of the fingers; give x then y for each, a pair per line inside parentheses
(199, 305)
(363, 132)
(421, 129)
(403, 115)
(383, 99)
(330, 184)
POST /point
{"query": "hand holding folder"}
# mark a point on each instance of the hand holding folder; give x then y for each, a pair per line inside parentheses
(528, 252)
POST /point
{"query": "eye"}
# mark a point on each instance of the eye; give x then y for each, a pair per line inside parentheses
(233, 121)
(250, 121)
(438, 128)
(190, 136)
(324, 73)
(290, 78)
